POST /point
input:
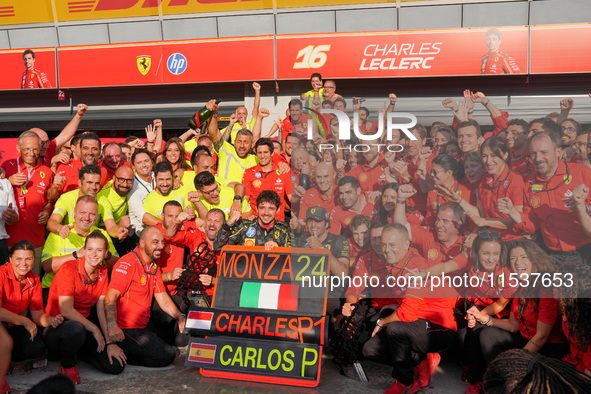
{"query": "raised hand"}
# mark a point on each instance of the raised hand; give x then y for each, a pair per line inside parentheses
(81, 109)
(567, 104)
(450, 103)
(406, 191)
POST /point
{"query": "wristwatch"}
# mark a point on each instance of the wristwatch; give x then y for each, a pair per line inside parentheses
(75, 254)
(378, 323)
(238, 198)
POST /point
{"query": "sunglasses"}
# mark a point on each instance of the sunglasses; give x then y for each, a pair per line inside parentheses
(489, 235)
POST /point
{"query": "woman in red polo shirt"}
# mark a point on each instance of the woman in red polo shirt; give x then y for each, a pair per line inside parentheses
(444, 170)
(488, 294)
(500, 183)
(78, 286)
(533, 323)
(21, 303)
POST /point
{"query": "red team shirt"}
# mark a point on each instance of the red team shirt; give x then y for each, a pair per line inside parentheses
(528, 317)
(255, 181)
(137, 287)
(314, 198)
(69, 281)
(16, 299)
(370, 178)
(30, 200)
(545, 207)
(71, 173)
(433, 250)
(340, 217)
(498, 62)
(510, 184)
(34, 78)
(172, 257)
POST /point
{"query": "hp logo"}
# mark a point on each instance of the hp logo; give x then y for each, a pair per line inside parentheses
(176, 63)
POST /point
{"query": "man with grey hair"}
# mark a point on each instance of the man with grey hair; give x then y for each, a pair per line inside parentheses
(34, 187)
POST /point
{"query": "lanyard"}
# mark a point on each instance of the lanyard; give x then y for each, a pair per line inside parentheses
(143, 183)
(145, 266)
(403, 266)
(502, 182)
(566, 179)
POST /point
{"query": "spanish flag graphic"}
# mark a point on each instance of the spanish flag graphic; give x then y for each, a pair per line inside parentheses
(202, 353)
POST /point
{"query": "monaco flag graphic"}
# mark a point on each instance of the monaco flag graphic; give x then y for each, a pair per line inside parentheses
(199, 320)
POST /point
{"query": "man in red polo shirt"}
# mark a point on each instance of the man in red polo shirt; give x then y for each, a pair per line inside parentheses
(371, 173)
(90, 150)
(112, 159)
(546, 199)
(441, 243)
(266, 176)
(516, 139)
(352, 202)
(324, 194)
(134, 282)
(33, 190)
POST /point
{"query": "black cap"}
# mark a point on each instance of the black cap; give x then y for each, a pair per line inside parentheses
(318, 214)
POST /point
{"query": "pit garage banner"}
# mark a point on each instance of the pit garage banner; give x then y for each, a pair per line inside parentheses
(421, 53)
(561, 49)
(28, 68)
(166, 62)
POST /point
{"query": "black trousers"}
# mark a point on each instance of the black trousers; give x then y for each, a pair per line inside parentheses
(142, 346)
(404, 345)
(71, 340)
(493, 341)
(23, 348)
(165, 326)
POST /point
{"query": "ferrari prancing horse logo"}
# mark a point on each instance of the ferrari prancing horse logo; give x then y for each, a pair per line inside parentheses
(143, 63)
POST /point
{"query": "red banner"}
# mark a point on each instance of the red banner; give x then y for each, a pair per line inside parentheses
(199, 61)
(42, 72)
(403, 54)
(561, 49)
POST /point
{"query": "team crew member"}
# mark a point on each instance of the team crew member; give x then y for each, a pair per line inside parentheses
(20, 291)
(48, 154)
(407, 170)
(112, 158)
(33, 191)
(352, 202)
(90, 150)
(501, 187)
(444, 240)
(324, 194)
(143, 184)
(162, 193)
(419, 329)
(266, 176)
(134, 282)
(338, 246)
(264, 230)
(117, 193)
(532, 323)
(178, 235)
(233, 159)
(58, 250)
(397, 259)
(33, 78)
(444, 169)
(518, 143)
(359, 243)
(242, 119)
(211, 195)
(372, 172)
(545, 194)
(78, 286)
(8, 215)
(489, 298)
(62, 217)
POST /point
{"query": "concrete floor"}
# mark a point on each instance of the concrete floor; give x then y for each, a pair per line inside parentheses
(178, 378)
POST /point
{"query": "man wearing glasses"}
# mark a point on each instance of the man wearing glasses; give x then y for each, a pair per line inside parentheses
(210, 194)
(441, 243)
(117, 193)
(549, 199)
(49, 147)
(34, 187)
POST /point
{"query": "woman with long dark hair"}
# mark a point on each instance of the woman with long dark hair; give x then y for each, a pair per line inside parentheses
(21, 304)
(499, 193)
(532, 324)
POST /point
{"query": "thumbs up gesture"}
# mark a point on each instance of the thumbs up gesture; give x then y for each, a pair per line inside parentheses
(9, 215)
